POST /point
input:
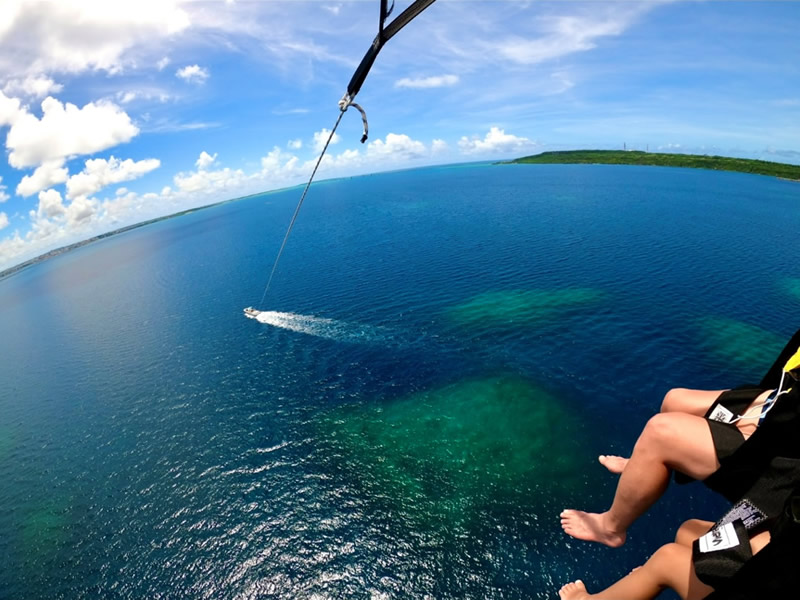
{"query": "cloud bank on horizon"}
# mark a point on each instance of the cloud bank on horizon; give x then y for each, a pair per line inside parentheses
(117, 112)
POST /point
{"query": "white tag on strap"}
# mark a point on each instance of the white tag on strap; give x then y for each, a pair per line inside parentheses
(721, 414)
(719, 538)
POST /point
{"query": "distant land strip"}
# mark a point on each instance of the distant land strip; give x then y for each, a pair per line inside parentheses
(657, 159)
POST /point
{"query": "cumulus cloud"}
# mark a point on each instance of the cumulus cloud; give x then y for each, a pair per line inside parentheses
(210, 181)
(48, 174)
(34, 86)
(3, 195)
(496, 141)
(3, 220)
(99, 172)
(396, 146)
(162, 64)
(73, 37)
(65, 131)
(80, 210)
(279, 165)
(295, 144)
(427, 82)
(205, 160)
(439, 146)
(50, 204)
(320, 137)
(10, 109)
(192, 74)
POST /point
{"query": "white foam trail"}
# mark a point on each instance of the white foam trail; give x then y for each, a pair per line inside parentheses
(321, 327)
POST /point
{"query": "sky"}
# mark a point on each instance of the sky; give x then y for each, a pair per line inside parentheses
(117, 112)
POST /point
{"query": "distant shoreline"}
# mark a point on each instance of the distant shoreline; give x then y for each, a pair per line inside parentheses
(658, 159)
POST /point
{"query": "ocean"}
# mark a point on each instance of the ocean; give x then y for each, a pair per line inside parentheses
(446, 352)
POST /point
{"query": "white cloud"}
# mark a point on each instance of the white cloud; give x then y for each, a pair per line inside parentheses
(291, 111)
(427, 82)
(48, 174)
(46, 37)
(99, 172)
(320, 137)
(3, 195)
(128, 96)
(561, 82)
(65, 131)
(80, 210)
(439, 146)
(192, 74)
(205, 160)
(397, 146)
(278, 164)
(35, 86)
(3, 220)
(563, 35)
(162, 64)
(497, 141)
(210, 182)
(295, 144)
(10, 109)
(50, 205)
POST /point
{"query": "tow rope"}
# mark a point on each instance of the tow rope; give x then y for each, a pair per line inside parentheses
(385, 33)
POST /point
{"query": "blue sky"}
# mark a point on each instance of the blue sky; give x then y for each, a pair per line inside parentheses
(116, 112)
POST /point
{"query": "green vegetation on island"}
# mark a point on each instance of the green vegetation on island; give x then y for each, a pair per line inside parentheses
(658, 159)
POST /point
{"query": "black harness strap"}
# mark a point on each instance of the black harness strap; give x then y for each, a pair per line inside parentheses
(385, 33)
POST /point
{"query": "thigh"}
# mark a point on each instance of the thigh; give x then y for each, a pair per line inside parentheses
(681, 442)
(693, 402)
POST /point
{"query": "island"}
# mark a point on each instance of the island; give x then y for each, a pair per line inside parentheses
(658, 159)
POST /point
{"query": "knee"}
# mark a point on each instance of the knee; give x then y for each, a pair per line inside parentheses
(690, 530)
(668, 555)
(659, 428)
(673, 400)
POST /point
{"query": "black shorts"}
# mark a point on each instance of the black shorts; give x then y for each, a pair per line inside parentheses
(726, 436)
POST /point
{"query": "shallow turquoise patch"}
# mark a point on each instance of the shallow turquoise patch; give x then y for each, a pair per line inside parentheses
(449, 451)
(521, 307)
(792, 287)
(741, 343)
(44, 529)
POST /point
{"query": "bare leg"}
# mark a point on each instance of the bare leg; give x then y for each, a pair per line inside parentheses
(670, 567)
(691, 530)
(692, 402)
(669, 441)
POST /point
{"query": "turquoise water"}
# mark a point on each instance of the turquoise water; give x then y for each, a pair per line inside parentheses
(450, 350)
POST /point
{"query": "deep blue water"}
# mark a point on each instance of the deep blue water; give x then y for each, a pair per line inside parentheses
(154, 443)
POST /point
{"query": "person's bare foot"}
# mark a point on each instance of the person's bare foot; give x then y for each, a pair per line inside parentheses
(574, 591)
(590, 527)
(615, 464)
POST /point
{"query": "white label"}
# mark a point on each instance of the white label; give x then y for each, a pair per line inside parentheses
(721, 414)
(719, 538)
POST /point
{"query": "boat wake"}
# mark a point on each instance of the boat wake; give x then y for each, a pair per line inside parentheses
(322, 327)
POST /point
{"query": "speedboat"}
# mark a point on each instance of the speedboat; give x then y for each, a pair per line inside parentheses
(251, 313)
